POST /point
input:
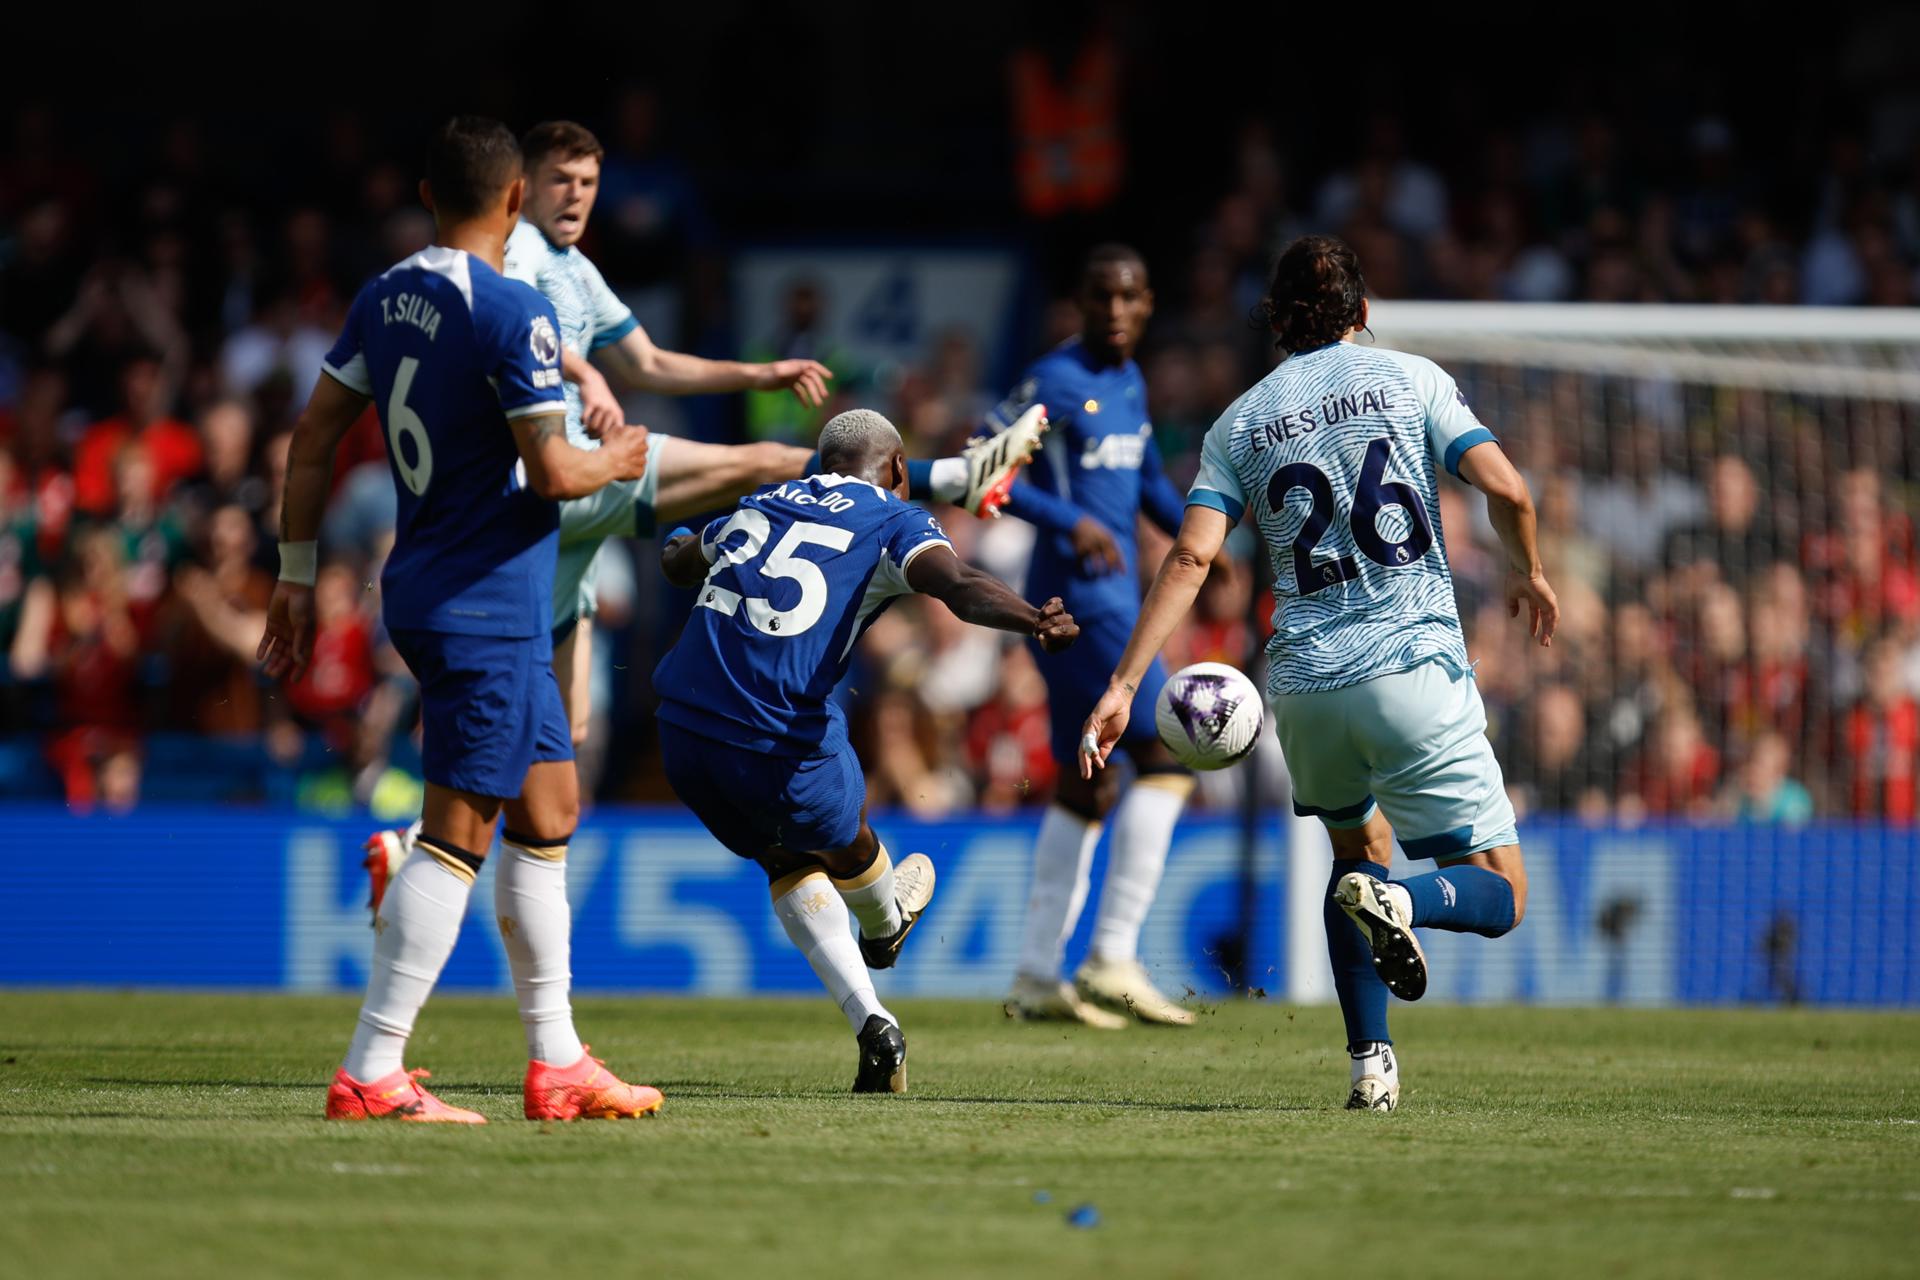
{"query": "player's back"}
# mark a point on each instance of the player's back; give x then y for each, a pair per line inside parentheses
(800, 571)
(449, 350)
(1338, 452)
(1092, 454)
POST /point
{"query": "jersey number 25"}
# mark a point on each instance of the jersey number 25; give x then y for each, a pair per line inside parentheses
(781, 562)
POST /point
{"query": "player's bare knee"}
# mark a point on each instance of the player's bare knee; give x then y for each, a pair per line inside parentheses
(773, 462)
(1089, 801)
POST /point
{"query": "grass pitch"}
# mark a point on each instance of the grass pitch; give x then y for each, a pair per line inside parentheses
(163, 1135)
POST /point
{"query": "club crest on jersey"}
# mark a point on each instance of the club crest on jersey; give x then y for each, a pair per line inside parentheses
(544, 341)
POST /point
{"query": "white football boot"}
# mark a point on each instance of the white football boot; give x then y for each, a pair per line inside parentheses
(1374, 1080)
(1384, 913)
(1123, 986)
(993, 462)
(1037, 1000)
(386, 851)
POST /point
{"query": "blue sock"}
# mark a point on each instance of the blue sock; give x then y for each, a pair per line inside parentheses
(1462, 899)
(919, 478)
(1363, 996)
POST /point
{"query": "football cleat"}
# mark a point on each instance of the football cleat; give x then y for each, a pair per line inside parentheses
(1123, 986)
(993, 462)
(883, 1058)
(394, 1096)
(912, 890)
(1037, 1000)
(585, 1091)
(1374, 1093)
(1385, 916)
(386, 851)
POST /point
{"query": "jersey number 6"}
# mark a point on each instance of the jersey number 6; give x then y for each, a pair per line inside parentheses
(781, 562)
(1371, 495)
(404, 423)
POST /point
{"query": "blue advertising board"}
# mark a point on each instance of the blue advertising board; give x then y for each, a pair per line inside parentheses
(1654, 916)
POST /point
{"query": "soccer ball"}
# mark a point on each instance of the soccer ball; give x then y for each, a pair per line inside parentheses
(1209, 715)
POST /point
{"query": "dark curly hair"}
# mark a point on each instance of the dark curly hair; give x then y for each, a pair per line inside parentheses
(1316, 294)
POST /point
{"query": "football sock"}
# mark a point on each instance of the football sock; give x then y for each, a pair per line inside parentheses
(1062, 853)
(1462, 899)
(1363, 996)
(869, 896)
(1142, 830)
(414, 933)
(530, 899)
(1372, 1058)
(817, 922)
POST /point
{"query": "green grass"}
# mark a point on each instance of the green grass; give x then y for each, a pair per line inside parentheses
(160, 1135)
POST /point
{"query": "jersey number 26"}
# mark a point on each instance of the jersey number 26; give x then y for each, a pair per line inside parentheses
(1371, 495)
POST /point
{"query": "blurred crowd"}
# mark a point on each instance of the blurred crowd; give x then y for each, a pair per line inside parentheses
(1737, 568)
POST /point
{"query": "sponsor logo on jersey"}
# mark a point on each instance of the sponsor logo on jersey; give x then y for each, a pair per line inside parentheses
(1115, 452)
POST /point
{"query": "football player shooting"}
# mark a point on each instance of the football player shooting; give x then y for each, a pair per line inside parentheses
(749, 735)
(463, 365)
(1372, 691)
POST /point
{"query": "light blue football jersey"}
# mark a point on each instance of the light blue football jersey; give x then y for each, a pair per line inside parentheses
(1337, 454)
(800, 570)
(591, 315)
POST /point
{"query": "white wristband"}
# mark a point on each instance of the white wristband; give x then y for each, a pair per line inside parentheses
(299, 562)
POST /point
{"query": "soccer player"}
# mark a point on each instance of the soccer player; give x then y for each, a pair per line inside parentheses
(1098, 470)
(749, 735)
(1337, 455)
(684, 477)
(463, 366)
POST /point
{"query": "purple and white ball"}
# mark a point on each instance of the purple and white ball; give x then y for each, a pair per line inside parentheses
(1209, 715)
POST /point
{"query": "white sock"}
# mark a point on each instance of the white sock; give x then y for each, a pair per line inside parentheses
(869, 896)
(947, 479)
(414, 934)
(1142, 831)
(1062, 854)
(1376, 1058)
(530, 899)
(817, 922)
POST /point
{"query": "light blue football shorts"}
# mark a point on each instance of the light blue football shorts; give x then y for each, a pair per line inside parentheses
(1414, 744)
(624, 509)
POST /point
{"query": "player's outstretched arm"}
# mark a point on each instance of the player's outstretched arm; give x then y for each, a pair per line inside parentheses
(1510, 507)
(287, 643)
(556, 470)
(646, 367)
(978, 597)
(1203, 532)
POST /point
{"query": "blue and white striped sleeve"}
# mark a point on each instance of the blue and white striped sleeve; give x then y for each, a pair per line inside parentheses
(1452, 428)
(1218, 484)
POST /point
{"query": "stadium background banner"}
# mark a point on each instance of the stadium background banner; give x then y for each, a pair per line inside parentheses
(1650, 916)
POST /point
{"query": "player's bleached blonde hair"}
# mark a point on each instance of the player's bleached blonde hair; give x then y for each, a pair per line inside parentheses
(855, 436)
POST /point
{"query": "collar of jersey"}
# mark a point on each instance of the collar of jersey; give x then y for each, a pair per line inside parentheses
(1314, 350)
(833, 480)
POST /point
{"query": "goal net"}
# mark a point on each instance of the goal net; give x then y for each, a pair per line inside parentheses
(1723, 744)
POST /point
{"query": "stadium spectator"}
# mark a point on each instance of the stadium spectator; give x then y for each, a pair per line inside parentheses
(1676, 774)
(172, 448)
(1763, 793)
(1880, 740)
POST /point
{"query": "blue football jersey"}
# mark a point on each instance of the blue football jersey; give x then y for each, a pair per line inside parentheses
(1098, 458)
(448, 349)
(800, 570)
